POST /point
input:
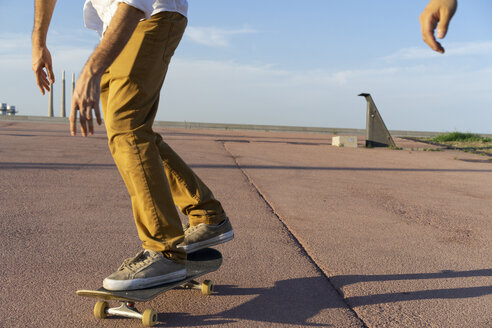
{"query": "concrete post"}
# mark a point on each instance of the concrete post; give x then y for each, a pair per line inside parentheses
(377, 135)
(50, 110)
(63, 112)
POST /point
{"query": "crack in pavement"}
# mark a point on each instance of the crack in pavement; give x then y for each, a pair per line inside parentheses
(292, 234)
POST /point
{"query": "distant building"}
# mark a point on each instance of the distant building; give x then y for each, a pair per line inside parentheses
(11, 110)
(7, 109)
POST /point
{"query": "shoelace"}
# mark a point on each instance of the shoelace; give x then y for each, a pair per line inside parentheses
(189, 229)
(136, 262)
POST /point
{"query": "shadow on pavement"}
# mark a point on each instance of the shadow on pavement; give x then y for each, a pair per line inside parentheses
(276, 142)
(332, 168)
(292, 301)
(245, 137)
(19, 135)
(53, 166)
(451, 293)
(188, 320)
(75, 166)
(488, 161)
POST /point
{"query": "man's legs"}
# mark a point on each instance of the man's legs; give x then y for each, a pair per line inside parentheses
(209, 225)
(130, 94)
(190, 194)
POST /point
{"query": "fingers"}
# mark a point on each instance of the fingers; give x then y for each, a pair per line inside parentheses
(91, 127)
(98, 113)
(90, 120)
(40, 84)
(94, 104)
(84, 119)
(88, 111)
(42, 81)
(85, 98)
(73, 121)
(51, 75)
(428, 23)
(444, 20)
(41, 61)
(437, 14)
(83, 124)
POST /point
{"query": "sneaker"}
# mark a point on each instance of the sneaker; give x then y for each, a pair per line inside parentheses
(206, 235)
(147, 269)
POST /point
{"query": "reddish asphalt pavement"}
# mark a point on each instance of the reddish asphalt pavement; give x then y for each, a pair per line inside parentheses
(325, 236)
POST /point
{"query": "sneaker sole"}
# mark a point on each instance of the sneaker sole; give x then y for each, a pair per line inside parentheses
(225, 237)
(141, 283)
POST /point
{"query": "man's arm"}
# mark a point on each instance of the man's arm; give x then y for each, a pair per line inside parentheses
(437, 11)
(87, 89)
(41, 57)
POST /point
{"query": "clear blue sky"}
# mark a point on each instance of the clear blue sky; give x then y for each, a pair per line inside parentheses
(286, 62)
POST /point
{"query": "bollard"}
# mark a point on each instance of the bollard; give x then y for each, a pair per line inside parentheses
(63, 113)
(50, 108)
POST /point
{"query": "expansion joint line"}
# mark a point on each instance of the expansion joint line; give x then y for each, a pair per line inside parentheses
(291, 234)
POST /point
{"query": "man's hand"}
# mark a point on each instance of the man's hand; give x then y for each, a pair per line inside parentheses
(87, 91)
(437, 12)
(41, 57)
(85, 98)
(42, 67)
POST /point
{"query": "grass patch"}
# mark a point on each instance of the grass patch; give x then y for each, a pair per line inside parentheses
(460, 137)
(394, 147)
(467, 142)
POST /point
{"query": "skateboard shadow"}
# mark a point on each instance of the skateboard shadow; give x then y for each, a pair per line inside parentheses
(296, 301)
(289, 302)
(183, 319)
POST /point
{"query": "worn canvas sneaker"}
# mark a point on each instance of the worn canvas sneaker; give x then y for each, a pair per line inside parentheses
(147, 269)
(206, 235)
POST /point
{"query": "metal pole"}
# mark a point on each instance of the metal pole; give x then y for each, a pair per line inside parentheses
(50, 110)
(73, 82)
(63, 113)
(368, 121)
(73, 88)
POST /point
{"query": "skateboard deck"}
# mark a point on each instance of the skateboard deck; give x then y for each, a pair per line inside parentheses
(198, 263)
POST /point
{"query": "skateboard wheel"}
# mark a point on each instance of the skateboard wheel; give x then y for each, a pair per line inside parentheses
(207, 287)
(100, 309)
(149, 318)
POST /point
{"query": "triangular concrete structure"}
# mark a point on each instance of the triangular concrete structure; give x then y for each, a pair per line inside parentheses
(377, 135)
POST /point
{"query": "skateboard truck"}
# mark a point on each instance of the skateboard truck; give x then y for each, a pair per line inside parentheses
(207, 286)
(126, 309)
(149, 316)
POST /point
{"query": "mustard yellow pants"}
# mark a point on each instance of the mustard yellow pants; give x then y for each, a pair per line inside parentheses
(157, 179)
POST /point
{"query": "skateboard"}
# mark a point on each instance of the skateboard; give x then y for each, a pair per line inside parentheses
(199, 263)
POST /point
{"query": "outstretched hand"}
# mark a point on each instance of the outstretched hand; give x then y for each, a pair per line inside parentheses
(42, 67)
(437, 14)
(85, 99)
